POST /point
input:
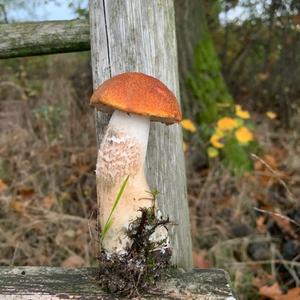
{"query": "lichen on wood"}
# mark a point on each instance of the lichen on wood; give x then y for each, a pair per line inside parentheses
(60, 283)
(47, 37)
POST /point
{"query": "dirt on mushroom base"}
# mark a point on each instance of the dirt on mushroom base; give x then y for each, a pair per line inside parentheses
(141, 267)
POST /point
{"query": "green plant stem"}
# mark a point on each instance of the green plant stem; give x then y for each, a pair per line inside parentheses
(109, 220)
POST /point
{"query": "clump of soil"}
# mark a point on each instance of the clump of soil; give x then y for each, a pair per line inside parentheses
(140, 268)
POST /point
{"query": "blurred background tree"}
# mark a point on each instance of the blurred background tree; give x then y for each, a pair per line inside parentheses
(205, 96)
(258, 44)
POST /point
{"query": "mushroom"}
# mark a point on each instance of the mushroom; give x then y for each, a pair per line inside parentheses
(135, 99)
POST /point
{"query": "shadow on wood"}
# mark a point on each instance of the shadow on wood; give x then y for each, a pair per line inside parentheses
(60, 283)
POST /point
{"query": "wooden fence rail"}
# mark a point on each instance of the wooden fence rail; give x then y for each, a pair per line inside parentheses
(45, 283)
(49, 37)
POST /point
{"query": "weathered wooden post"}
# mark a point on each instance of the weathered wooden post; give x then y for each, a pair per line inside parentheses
(139, 35)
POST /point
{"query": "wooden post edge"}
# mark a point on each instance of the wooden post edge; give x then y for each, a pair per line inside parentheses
(63, 283)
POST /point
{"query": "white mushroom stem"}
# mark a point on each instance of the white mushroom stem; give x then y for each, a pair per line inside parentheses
(122, 153)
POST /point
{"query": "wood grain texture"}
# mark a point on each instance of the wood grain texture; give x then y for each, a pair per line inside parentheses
(48, 37)
(140, 36)
(59, 283)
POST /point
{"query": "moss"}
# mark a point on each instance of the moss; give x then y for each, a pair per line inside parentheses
(207, 83)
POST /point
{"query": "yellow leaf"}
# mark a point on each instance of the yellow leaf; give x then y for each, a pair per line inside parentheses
(215, 141)
(212, 152)
(244, 135)
(238, 107)
(243, 114)
(271, 115)
(226, 124)
(188, 125)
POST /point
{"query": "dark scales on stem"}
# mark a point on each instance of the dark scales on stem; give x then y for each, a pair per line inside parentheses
(141, 267)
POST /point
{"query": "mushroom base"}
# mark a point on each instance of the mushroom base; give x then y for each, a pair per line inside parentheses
(140, 268)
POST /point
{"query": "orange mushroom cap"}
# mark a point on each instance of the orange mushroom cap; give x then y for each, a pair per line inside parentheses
(140, 94)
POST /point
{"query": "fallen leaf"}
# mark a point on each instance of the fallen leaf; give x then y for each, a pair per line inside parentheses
(3, 185)
(260, 224)
(71, 180)
(271, 115)
(73, 261)
(26, 192)
(284, 224)
(17, 205)
(73, 158)
(292, 294)
(48, 202)
(268, 169)
(271, 161)
(70, 233)
(200, 260)
(83, 168)
(272, 291)
(261, 279)
(263, 76)
(267, 159)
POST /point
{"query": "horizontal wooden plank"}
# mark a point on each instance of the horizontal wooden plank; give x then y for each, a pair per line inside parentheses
(61, 283)
(48, 37)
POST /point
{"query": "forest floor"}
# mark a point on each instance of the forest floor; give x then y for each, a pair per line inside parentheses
(249, 225)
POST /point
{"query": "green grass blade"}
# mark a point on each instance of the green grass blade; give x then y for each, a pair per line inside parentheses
(109, 221)
(105, 229)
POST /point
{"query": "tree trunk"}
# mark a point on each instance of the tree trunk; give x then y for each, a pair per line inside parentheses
(201, 82)
(139, 35)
